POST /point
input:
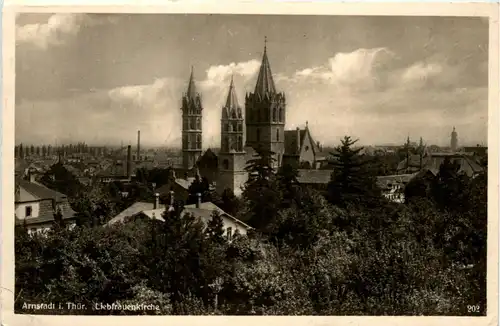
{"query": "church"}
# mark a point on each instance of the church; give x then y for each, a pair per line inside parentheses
(262, 126)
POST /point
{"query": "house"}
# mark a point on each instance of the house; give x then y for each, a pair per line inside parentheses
(468, 164)
(202, 210)
(180, 186)
(317, 179)
(393, 186)
(301, 151)
(35, 206)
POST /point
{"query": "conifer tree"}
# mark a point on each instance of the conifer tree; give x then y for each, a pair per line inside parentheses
(350, 181)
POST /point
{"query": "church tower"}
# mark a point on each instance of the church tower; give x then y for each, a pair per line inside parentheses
(191, 125)
(454, 140)
(265, 113)
(231, 157)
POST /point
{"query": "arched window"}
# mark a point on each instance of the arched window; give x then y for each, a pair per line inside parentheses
(240, 126)
(258, 134)
(281, 119)
(277, 135)
(225, 164)
(224, 144)
(198, 141)
(235, 126)
(231, 144)
(275, 114)
(198, 123)
(240, 143)
(192, 124)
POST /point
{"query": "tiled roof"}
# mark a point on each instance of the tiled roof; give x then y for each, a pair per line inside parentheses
(130, 211)
(265, 82)
(37, 191)
(385, 181)
(46, 213)
(314, 176)
(433, 162)
(204, 212)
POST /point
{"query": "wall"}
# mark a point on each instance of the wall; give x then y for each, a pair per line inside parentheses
(233, 225)
(21, 209)
(307, 155)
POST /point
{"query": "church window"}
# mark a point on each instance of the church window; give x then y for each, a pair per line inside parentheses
(192, 124)
(240, 143)
(231, 144)
(274, 114)
(240, 126)
(281, 115)
(258, 134)
(235, 126)
(184, 141)
(224, 144)
(306, 148)
(198, 141)
(230, 126)
(277, 135)
(198, 123)
(225, 164)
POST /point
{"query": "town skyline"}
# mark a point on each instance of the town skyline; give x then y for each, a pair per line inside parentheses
(365, 80)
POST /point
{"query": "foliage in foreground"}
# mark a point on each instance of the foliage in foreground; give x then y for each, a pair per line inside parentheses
(345, 252)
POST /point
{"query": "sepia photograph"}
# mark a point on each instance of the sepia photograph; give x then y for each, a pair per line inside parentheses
(251, 164)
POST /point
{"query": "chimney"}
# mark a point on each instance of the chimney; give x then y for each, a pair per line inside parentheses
(172, 198)
(129, 161)
(31, 176)
(298, 140)
(157, 201)
(138, 145)
(198, 200)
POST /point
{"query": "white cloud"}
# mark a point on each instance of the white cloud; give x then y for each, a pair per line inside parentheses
(56, 30)
(421, 71)
(327, 96)
(348, 69)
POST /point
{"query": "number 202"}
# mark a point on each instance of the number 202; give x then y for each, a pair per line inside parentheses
(474, 308)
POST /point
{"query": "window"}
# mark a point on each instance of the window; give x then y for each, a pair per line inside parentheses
(229, 233)
(192, 125)
(306, 148)
(258, 134)
(198, 123)
(28, 211)
(277, 135)
(275, 113)
(198, 141)
(281, 115)
(240, 143)
(225, 164)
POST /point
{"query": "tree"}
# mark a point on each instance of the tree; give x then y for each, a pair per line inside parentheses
(215, 229)
(58, 219)
(260, 190)
(350, 182)
(229, 202)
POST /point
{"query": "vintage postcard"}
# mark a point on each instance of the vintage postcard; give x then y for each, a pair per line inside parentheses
(327, 163)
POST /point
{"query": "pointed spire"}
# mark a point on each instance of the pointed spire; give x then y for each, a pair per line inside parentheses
(191, 91)
(232, 108)
(265, 82)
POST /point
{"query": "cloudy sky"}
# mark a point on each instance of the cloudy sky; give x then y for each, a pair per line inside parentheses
(100, 78)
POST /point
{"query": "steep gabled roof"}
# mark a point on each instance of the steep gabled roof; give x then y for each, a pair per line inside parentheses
(232, 109)
(265, 83)
(191, 90)
(36, 191)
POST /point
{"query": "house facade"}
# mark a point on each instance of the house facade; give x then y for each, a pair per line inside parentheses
(36, 205)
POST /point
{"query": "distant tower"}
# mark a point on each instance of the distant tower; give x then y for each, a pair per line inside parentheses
(231, 157)
(265, 113)
(191, 125)
(454, 140)
(138, 157)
